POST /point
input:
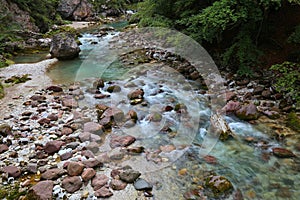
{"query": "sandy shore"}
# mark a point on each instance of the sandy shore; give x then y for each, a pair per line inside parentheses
(15, 95)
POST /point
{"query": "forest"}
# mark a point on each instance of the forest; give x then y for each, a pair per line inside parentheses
(241, 36)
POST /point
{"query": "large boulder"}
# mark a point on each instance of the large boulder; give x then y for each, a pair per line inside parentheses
(75, 9)
(64, 46)
(248, 112)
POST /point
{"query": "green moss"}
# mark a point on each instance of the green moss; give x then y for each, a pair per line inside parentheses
(18, 79)
(1, 91)
(293, 121)
(11, 192)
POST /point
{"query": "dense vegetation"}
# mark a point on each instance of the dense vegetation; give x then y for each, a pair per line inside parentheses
(241, 36)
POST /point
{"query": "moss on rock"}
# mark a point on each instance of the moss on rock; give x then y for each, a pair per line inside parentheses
(293, 121)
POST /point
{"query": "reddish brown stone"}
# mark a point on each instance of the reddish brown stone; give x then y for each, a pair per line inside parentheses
(41, 191)
(88, 174)
(283, 153)
(117, 184)
(99, 181)
(12, 171)
(72, 184)
(121, 141)
(103, 192)
(53, 146)
(75, 168)
(3, 148)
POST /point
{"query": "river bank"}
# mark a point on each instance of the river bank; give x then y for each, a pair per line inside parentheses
(53, 134)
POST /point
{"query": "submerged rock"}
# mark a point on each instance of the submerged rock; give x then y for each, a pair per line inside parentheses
(141, 184)
(129, 176)
(282, 153)
(219, 185)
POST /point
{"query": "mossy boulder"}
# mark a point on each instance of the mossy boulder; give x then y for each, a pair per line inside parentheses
(219, 185)
(293, 121)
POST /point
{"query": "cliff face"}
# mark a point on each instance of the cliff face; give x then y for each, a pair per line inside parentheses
(16, 16)
(75, 9)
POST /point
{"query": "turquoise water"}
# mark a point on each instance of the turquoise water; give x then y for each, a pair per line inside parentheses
(29, 57)
(251, 167)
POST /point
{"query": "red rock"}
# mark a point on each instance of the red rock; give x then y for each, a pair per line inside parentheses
(66, 156)
(231, 107)
(168, 108)
(72, 184)
(69, 102)
(3, 148)
(247, 112)
(51, 174)
(66, 131)
(38, 98)
(117, 184)
(93, 147)
(12, 171)
(44, 121)
(121, 141)
(103, 192)
(53, 146)
(101, 96)
(210, 159)
(114, 114)
(88, 154)
(229, 95)
(167, 148)
(85, 136)
(92, 162)
(99, 181)
(41, 191)
(93, 127)
(54, 88)
(52, 117)
(136, 94)
(88, 174)
(75, 168)
(283, 153)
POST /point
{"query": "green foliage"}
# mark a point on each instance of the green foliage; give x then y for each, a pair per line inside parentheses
(43, 12)
(18, 79)
(288, 79)
(11, 192)
(61, 29)
(1, 91)
(210, 22)
(293, 121)
(295, 36)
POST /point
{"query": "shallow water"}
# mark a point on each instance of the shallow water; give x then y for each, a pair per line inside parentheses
(249, 166)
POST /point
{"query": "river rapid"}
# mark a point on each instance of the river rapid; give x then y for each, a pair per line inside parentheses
(173, 161)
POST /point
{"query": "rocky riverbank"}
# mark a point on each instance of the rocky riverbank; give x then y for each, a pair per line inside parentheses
(55, 143)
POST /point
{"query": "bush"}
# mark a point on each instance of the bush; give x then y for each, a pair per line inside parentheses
(288, 79)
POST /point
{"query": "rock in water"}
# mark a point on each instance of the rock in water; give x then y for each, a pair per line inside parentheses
(75, 9)
(282, 153)
(220, 126)
(219, 185)
(64, 46)
(42, 190)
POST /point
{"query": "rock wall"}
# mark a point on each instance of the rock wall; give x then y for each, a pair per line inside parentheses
(75, 9)
(17, 16)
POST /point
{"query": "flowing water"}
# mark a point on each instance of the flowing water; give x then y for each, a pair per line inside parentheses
(250, 166)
